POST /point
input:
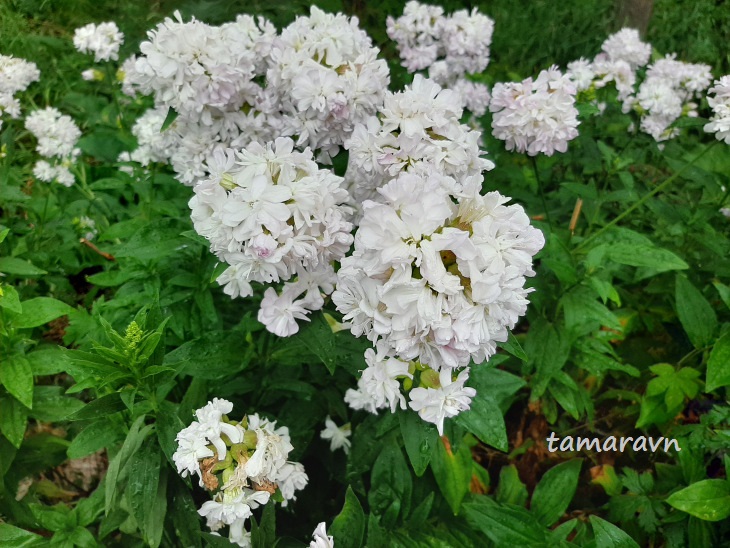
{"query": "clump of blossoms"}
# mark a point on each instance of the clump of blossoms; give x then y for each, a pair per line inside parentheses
(103, 40)
(435, 278)
(327, 77)
(450, 47)
(535, 116)
(57, 136)
(417, 130)
(621, 55)
(243, 464)
(15, 76)
(207, 75)
(668, 92)
(720, 122)
(273, 215)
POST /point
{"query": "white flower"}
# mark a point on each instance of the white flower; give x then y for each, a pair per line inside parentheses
(213, 427)
(535, 116)
(103, 40)
(290, 479)
(378, 386)
(233, 508)
(321, 539)
(720, 122)
(436, 404)
(626, 45)
(338, 435)
(192, 446)
(280, 312)
(269, 457)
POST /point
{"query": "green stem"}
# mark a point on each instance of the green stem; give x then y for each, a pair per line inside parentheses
(542, 192)
(646, 197)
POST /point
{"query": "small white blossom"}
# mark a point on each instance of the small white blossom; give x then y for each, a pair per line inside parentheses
(338, 435)
(436, 404)
(321, 539)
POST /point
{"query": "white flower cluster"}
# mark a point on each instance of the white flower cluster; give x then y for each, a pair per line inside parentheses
(622, 54)
(243, 463)
(15, 76)
(720, 104)
(417, 130)
(437, 276)
(668, 92)
(322, 78)
(272, 214)
(535, 116)
(103, 40)
(450, 47)
(206, 74)
(328, 78)
(57, 135)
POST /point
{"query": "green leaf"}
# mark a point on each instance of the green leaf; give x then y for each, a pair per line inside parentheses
(718, 365)
(707, 499)
(609, 536)
(19, 267)
(695, 313)
(452, 471)
(9, 299)
(263, 534)
(50, 405)
(14, 418)
(553, 494)
(391, 485)
(48, 361)
(348, 528)
(168, 426)
(632, 254)
(101, 407)
(511, 490)
(512, 345)
(333, 349)
(420, 439)
(97, 435)
(215, 355)
(117, 464)
(183, 506)
(143, 479)
(484, 419)
(16, 376)
(548, 349)
(17, 537)
(505, 524)
(724, 292)
(40, 311)
(169, 119)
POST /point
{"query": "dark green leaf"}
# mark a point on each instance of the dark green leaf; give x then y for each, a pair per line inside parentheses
(718, 366)
(484, 419)
(420, 439)
(348, 528)
(697, 316)
(553, 494)
(505, 525)
(609, 536)
(14, 418)
(101, 407)
(452, 471)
